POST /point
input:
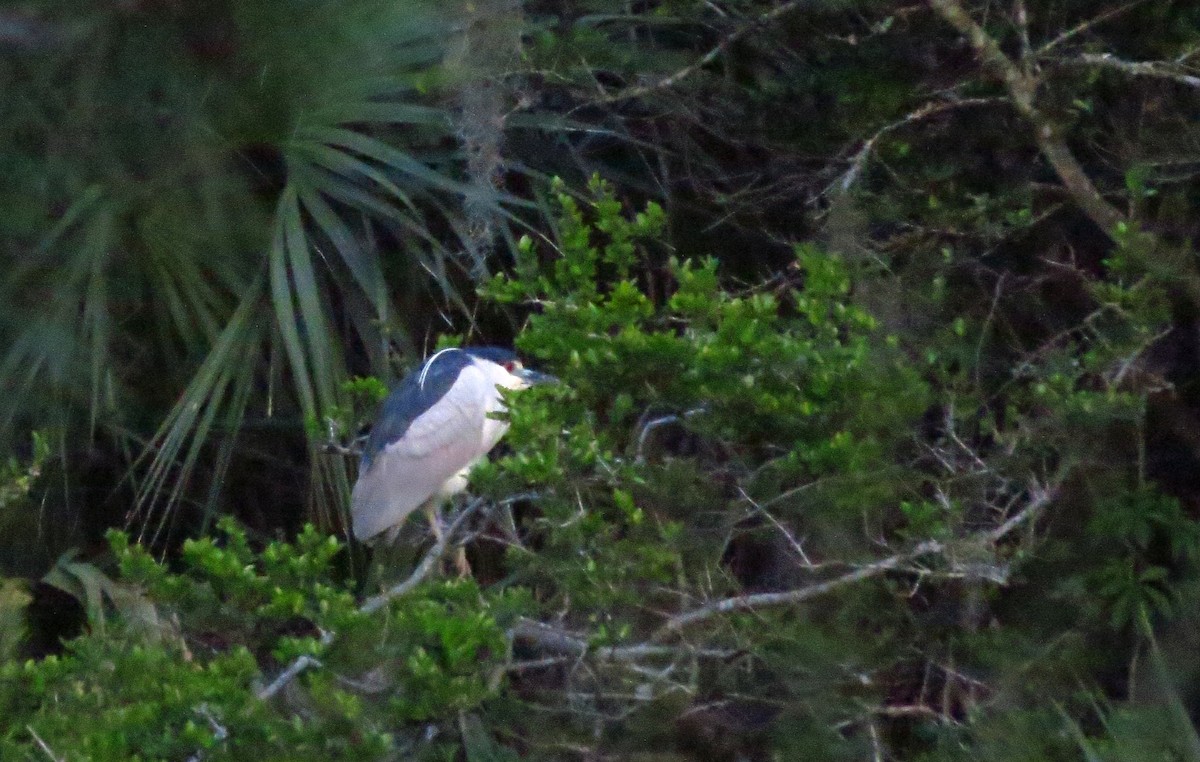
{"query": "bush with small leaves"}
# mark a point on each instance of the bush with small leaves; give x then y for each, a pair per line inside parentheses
(179, 670)
(765, 495)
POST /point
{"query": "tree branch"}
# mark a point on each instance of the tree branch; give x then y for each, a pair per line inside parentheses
(299, 665)
(799, 595)
(704, 60)
(1083, 26)
(45, 747)
(428, 563)
(859, 161)
(1022, 91)
(1154, 69)
(555, 641)
(1039, 498)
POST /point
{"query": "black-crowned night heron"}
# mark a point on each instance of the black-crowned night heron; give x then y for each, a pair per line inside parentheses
(431, 430)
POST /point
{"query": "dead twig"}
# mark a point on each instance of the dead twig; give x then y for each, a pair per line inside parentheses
(335, 445)
(858, 162)
(556, 641)
(1083, 26)
(299, 665)
(1039, 497)
(796, 545)
(655, 423)
(219, 731)
(1021, 16)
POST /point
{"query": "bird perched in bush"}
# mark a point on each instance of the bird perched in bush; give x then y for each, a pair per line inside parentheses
(431, 430)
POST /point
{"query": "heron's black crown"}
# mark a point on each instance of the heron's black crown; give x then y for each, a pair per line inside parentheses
(498, 355)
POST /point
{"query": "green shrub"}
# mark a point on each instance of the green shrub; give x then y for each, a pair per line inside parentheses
(180, 666)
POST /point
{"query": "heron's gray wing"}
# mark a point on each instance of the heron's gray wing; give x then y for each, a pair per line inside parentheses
(438, 444)
(419, 391)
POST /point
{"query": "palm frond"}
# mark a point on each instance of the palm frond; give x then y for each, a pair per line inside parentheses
(220, 386)
(231, 224)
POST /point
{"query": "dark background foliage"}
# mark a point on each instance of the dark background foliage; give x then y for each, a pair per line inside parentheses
(886, 309)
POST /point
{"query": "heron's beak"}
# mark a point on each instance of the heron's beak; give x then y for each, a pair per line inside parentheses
(532, 377)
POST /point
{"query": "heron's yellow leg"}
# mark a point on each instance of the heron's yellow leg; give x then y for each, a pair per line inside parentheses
(435, 523)
(435, 519)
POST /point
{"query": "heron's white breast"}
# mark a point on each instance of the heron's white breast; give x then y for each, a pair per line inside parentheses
(497, 378)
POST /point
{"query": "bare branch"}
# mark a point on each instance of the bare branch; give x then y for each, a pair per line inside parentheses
(952, 433)
(859, 161)
(1155, 69)
(335, 444)
(877, 753)
(1130, 363)
(796, 545)
(1078, 29)
(651, 425)
(1022, 91)
(45, 747)
(219, 731)
(1021, 15)
(987, 324)
(673, 79)
(914, 710)
(293, 671)
(762, 600)
(1039, 497)
(556, 641)
(428, 563)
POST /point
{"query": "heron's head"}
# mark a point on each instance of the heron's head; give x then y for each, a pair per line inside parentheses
(506, 368)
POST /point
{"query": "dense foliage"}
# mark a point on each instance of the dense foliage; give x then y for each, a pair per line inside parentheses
(876, 436)
(734, 532)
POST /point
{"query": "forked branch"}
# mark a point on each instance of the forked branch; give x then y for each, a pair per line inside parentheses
(1021, 83)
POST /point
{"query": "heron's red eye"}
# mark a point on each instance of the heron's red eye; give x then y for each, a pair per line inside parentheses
(511, 365)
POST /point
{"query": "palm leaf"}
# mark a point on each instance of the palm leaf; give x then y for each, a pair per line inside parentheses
(221, 383)
(168, 258)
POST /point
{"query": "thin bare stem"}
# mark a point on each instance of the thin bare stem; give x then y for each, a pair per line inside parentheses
(556, 641)
(1155, 69)
(45, 747)
(299, 665)
(1082, 27)
(859, 161)
(1021, 15)
(1040, 497)
(673, 79)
